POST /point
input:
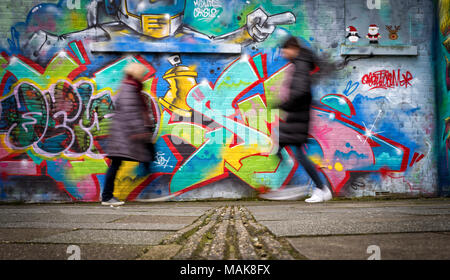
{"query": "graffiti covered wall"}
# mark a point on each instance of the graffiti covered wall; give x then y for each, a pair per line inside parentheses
(214, 72)
(443, 93)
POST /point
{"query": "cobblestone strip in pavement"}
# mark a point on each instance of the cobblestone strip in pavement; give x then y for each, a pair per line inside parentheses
(227, 233)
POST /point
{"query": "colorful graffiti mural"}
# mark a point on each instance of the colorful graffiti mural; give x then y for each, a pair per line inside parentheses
(443, 92)
(215, 112)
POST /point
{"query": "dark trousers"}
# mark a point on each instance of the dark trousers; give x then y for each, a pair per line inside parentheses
(306, 163)
(108, 188)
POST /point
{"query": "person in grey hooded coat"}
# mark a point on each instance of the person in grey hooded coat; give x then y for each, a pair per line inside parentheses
(296, 103)
(130, 131)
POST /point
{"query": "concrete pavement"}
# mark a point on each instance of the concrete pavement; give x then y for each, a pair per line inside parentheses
(347, 229)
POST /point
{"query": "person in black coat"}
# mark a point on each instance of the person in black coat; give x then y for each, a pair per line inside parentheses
(295, 104)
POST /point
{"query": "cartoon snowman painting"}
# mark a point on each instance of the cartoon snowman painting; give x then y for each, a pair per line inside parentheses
(352, 35)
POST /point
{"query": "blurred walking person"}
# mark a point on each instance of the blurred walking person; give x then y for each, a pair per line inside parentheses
(131, 129)
(295, 102)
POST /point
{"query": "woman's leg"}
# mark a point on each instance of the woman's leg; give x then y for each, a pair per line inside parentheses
(309, 167)
(108, 188)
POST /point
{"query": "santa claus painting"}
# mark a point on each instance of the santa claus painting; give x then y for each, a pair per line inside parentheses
(373, 34)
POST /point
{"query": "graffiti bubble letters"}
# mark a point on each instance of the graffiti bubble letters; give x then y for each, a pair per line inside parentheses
(385, 79)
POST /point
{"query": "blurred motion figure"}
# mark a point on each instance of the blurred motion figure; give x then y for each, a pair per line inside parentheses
(295, 101)
(131, 129)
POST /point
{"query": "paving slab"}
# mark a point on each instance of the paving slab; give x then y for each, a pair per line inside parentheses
(138, 210)
(157, 219)
(287, 215)
(302, 219)
(23, 235)
(124, 237)
(60, 252)
(327, 226)
(280, 212)
(59, 218)
(5, 210)
(402, 246)
(317, 207)
(75, 209)
(112, 226)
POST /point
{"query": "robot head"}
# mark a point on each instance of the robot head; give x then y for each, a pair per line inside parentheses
(154, 18)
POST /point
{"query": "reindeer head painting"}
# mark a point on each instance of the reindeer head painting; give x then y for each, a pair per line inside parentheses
(393, 32)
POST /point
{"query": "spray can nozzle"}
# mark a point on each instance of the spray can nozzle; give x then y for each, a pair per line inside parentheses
(175, 60)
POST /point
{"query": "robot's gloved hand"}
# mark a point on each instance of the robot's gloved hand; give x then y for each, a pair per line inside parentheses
(260, 25)
(38, 44)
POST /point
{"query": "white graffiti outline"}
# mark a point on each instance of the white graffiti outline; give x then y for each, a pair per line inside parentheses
(28, 116)
(16, 96)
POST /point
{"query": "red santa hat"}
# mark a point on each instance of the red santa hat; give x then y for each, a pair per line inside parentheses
(373, 25)
(351, 29)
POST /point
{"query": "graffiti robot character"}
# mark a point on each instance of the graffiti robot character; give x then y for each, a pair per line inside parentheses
(150, 20)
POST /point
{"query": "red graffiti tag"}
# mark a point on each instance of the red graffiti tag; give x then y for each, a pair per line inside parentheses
(385, 79)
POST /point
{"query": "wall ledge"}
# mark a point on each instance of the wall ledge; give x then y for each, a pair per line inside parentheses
(347, 50)
(157, 47)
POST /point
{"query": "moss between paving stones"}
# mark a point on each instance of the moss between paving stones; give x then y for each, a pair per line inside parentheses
(181, 239)
(159, 252)
(286, 246)
(232, 238)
